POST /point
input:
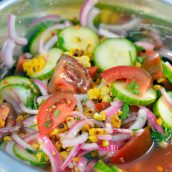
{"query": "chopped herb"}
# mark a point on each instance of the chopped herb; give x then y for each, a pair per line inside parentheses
(125, 111)
(140, 60)
(135, 130)
(85, 99)
(33, 125)
(158, 137)
(78, 118)
(139, 48)
(133, 87)
(47, 123)
(56, 113)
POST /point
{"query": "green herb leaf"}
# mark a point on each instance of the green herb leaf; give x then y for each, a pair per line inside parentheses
(158, 137)
(85, 99)
(56, 113)
(140, 60)
(125, 111)
(47, 123)
(133, 87)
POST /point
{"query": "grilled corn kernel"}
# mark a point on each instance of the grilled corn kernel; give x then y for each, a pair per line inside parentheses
(64, 155)
(115, 121)
(96, 131)
(100, 117)
(55, 132)
(105, 143)
(84, 60)
(86, 127)
(62, 127)
(156, 87)
(35, 145)
(2, 123)
(58, 146)
(104, 91)
(93, 138)
(138, 64)
(7, 139)
(159, 121)
(20, 118)
(93, 93)
(69, 119)
(69, 149)
(34, 65)
(76, 159)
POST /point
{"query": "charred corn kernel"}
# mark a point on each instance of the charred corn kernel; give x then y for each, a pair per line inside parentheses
(34, 65)
(93, 138)
(105, 143)
(138, 64)
(2, 123)
(55, 131)
(62, 127)
(159, 121)
(7, 139)
(64, 155)
(84, 60)
(20, 118)
(104, 90)
(160, 80)
(106, 98)
(76, 159)
(69, 119)
(156, 87)
(86, 127)
(93, 93)
(58, 146)
(100, 117)
(115, 121)
(35, 145)
(69, 149)
(96, 131)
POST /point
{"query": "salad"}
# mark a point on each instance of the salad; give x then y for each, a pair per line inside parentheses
(84, 95)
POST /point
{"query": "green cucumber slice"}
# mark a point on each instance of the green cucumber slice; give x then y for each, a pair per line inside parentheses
(29, 157)
(119, 90)
(75, 37)
(52, 58)
(167, 71)
(100, 166)
(25, 94)
(162, 109)
(33, 35)
(16, 79)
(115, 52)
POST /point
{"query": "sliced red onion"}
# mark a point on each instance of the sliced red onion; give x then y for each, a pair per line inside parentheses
(7, 53)
(42, 98)
(132, 117)
(49, 149)
(71, 155)
(107, 33)
(51, 17)
(120, 137)
(166, 97)
(50, 43)
(81, 96)
(104, 137)
(43, 36)
(109, 128)
(73, 131)
(85, 10)
(28, 55)
(30, 130)
(74, 141)
(140, 120)
(165, 53)
(27, 110)
(90, 166)
(112, 147)
(80, 115)
(21, 142)
(68, 23)
(9, 148)
(42, 87)
(99, 123)
(79, 104)
(30, 121)
(12, 32)
(89, 146)
(70, 123)
(82, 164)
(90, 104)
(145, 45)
(92, 14)
(31, 137)
(9, 129)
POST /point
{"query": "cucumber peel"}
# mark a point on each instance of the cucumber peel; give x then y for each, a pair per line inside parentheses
(119, 90)
(167, 71)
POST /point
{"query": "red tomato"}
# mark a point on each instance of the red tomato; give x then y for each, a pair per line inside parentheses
(101, 106)
(139, 75)
(70, 76)
(19, 65)
(92, 71)
(135, 148)
(54, 111)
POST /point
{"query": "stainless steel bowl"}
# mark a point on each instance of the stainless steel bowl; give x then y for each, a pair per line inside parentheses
(27, 10)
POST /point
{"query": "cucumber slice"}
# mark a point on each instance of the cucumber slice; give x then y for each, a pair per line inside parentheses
(33, 35)
(75, 37)
(162, 109)
(167, 71)
(24, 93)
(100, 166)
(26, 156)
(16, 79)
(115, 52)
(119, 90)
(52, 58)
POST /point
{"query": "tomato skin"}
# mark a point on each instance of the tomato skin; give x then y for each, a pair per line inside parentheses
(64, 103)
(135, 148)
(101, 106)
(92, 71)
(139, 75)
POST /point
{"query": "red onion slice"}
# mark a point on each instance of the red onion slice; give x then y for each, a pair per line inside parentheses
(50, 43)
(90, 104)
(89, 146)
(30, 121)
(90, 166)
(112, 147)
(104, 137)
(74, 141)
(120, 137)
(27, 110)
(7, 53)
(31, 137)
(82, 164)
(145, 45)
(9, 129)
(166, 97)
(42, 87)
(80, 115)
(109, 128)
(79, 104)
(12, 32)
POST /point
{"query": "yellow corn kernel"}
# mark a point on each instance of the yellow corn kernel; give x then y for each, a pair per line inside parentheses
(104, 91)
(84, 60)
(93, 93)
(58, 146)
(159, 121)
(20, 118)
(156, 87)
(106, 98)
(69, 119)
(96, 131)
(7, 139)
(76, 159)
(35, 145)
(93, 138)
(100, 117)
(138, 64)
(69, 149)
(2, 123)
(105, 143)
(34, 65)
(86, 127)
(119, 113)
(64, 155)
(160, 80)
(115, 121)
(55, 132)
(62, 127)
